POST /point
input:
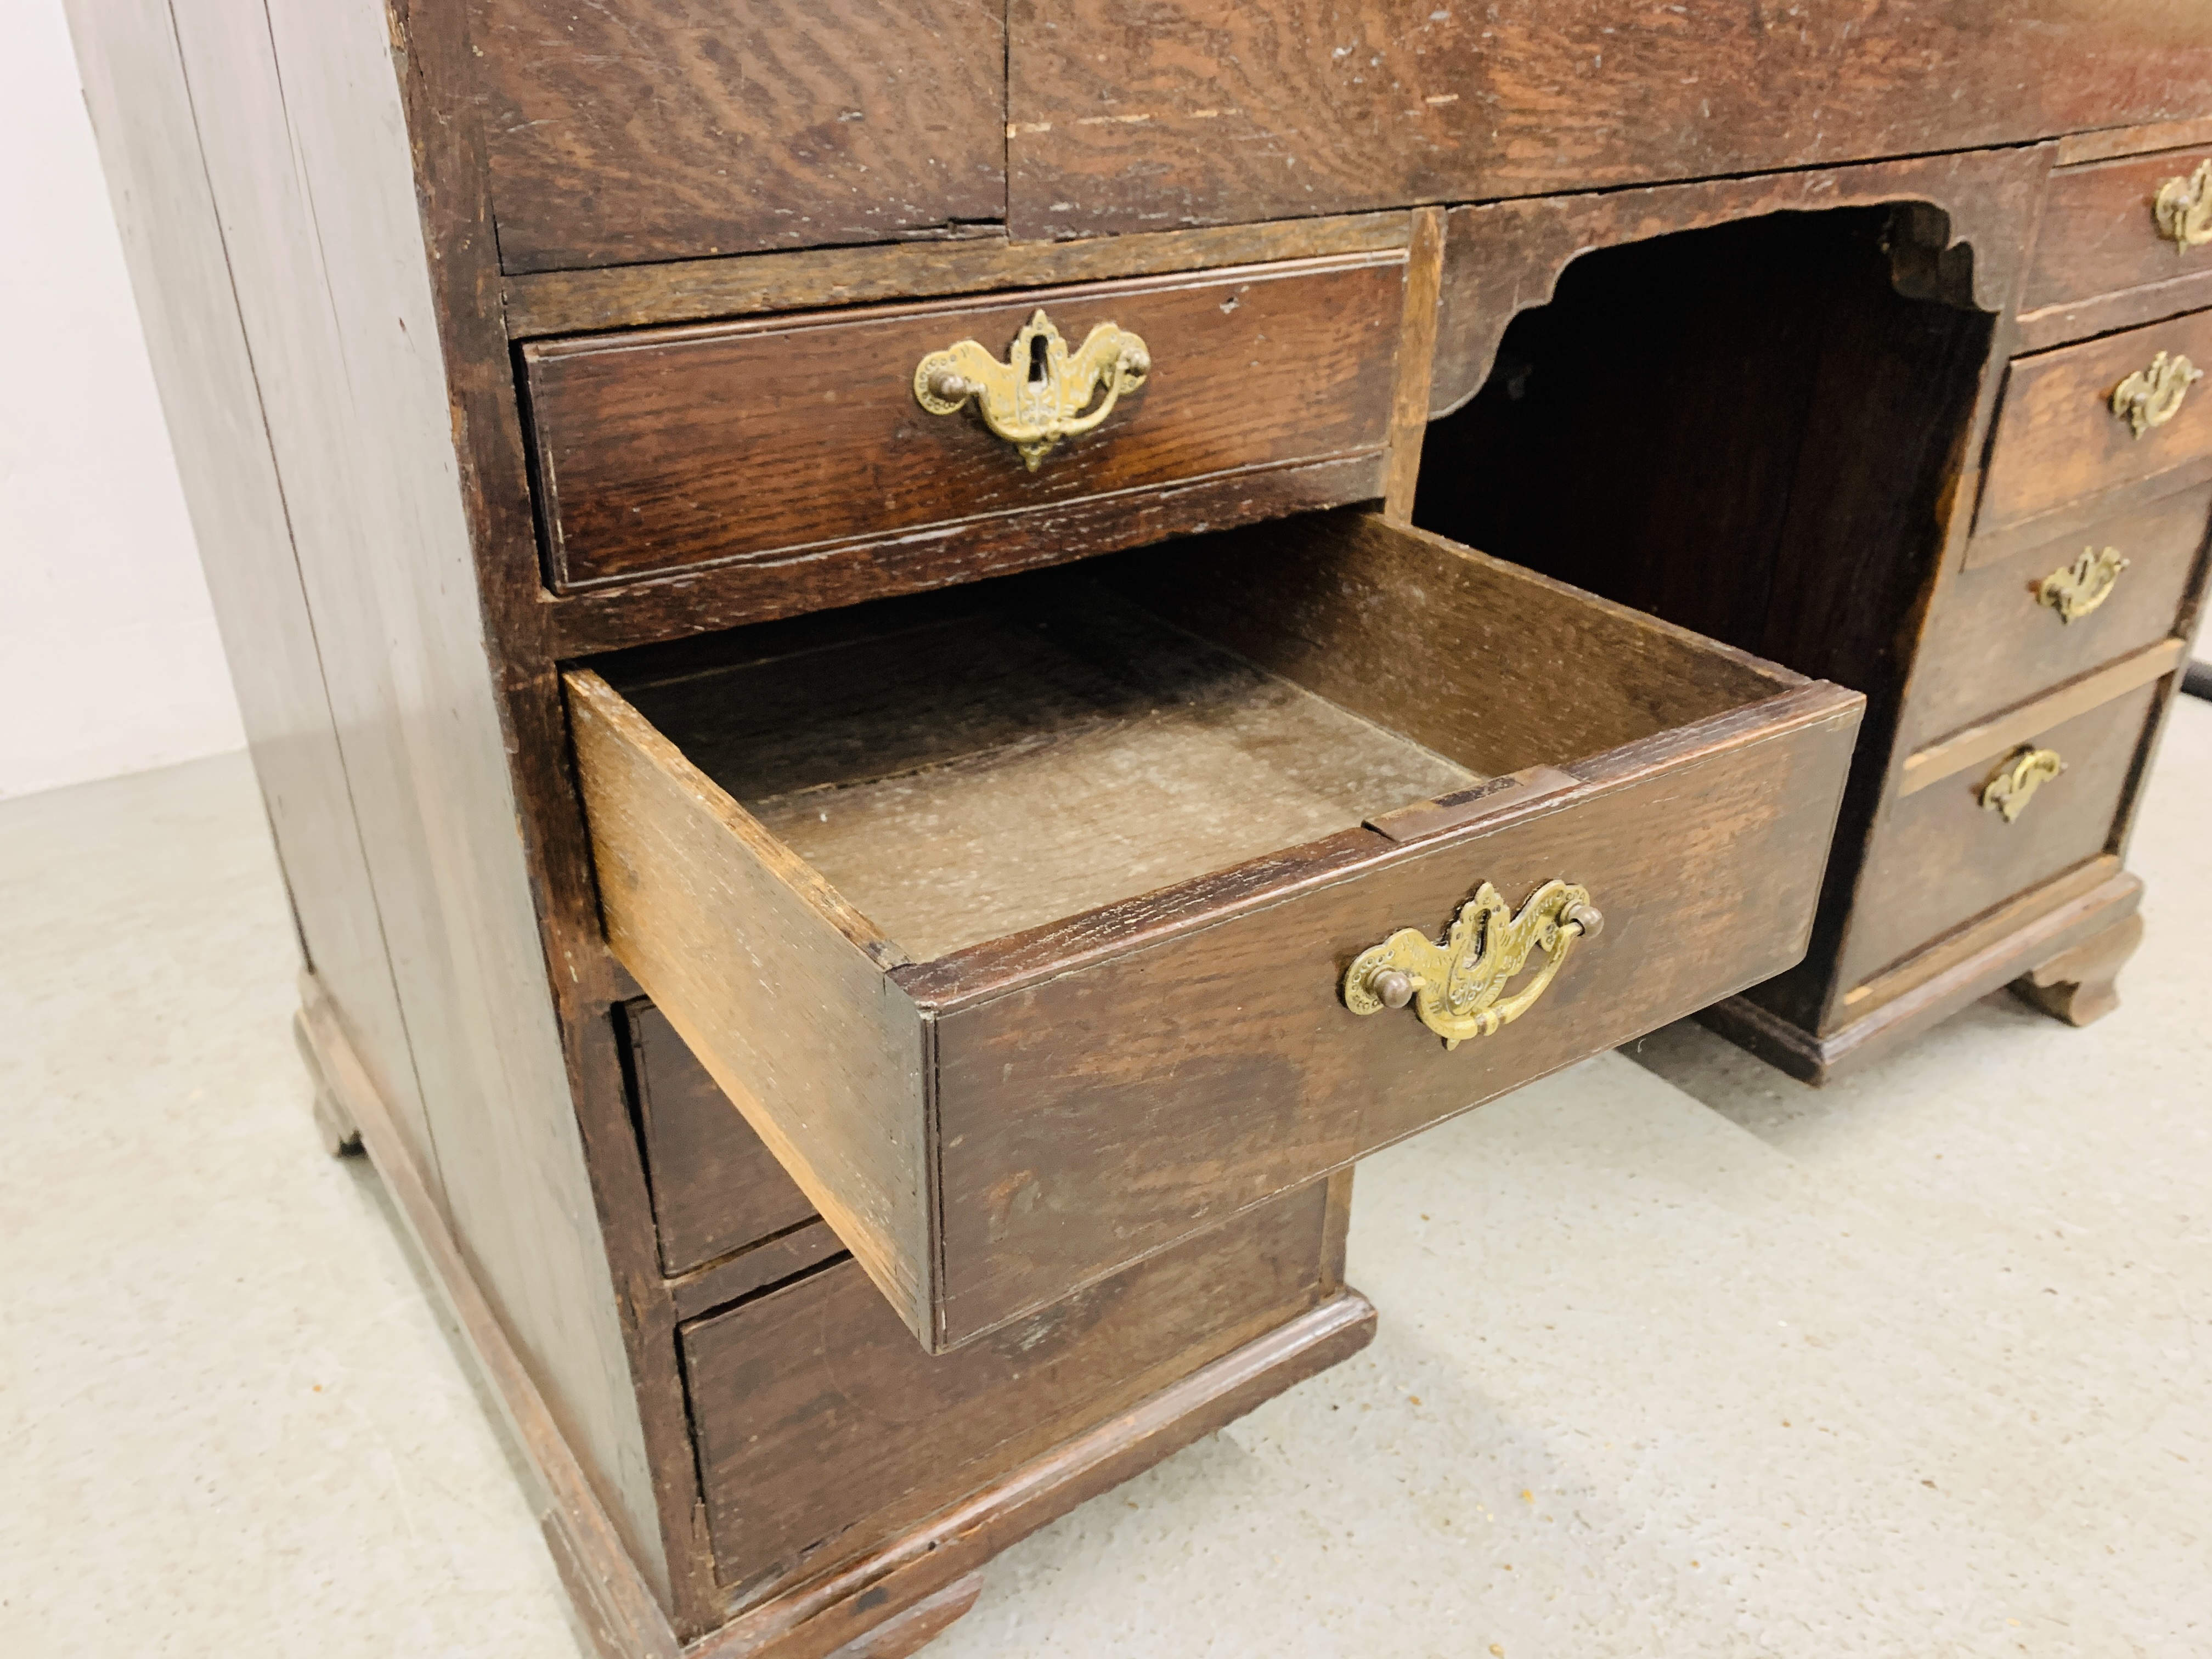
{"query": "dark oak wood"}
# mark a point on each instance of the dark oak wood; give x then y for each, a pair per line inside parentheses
(715, 1188)
(1972, 745)
(1507, 257)
(2105, 143)
(2077, 985)
(682, 448)
(919, 1626)
(1998, 954)
(1212, 111)
(878, 1083)
(1939, 857)
(697, 291)
(1991, 643)
(2058, 443)
(2098, 233)
(635, 130)
(821, 1424)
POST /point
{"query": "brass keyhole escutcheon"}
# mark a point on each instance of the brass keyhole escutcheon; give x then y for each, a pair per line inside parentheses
(2151, 395)
(2183, 208)
(2081, 586)
(1457, 989)
(1043, 392)
(2014, 784)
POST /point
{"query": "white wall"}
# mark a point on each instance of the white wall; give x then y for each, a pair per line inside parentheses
(109, 659)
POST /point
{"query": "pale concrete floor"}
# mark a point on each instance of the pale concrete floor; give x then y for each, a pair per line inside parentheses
(1676, 1358)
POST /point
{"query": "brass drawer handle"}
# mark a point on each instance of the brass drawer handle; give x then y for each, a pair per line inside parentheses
(2081, 586)
(2152, 397)
(2014, 784)
(2183, 208)
(1042, 392)
(1455, 988)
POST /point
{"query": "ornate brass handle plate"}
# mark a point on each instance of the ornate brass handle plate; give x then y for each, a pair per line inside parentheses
(1042, 392)
(1457, 988)
(2082, 585)
(2183, 208)
(2014, 784)
(2151, 397)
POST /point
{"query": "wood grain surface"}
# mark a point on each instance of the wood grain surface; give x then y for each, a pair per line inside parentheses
(1939, 858)
(772, 979)
(1273, 1081)
(1506, 257)
(716, 1186)
(1992, 644)
(2098, 233)
(682, 448)
(1209, 111)
(2058, 443)
(821, 1424)
(634, 130)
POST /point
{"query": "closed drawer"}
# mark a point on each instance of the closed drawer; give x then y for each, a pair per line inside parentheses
(2101, 229)
(1941, 858)
(802, 442)
(820, 1420)
(1018, 919)
(715, 1188)
(2059, 441)
(633, 130)
(2002, 633)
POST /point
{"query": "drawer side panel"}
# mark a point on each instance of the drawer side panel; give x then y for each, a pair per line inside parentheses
(819, 1051)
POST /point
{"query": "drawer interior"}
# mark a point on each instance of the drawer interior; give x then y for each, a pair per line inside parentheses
(968, 765)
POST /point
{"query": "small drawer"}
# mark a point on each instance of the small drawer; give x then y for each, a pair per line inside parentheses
(1018, 919)
(2102, 229)
(715, 1188)
(1941, 857)
(2060, 441)
(801, 444)
(815, 1414)
(2004, 633)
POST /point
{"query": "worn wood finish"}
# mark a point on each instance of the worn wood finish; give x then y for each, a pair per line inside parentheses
(668, 128)
(2077, 985)
(694, 603)
(1966, 748)
(2099, 233)
(1417, 349)
(808, 1620)
(1213, 110)
(757, 1266)
(909, 1631)
(613, 1597)
(1939, 858)
(715, 1188)
(698, 290)
(822, 1055)
(818, 1417)
(1401, 627)
(1999, 954)
(2107, 313)
(134, 87)
(2107, 143)
(1507, 257)
(1991, 643)
(676, 449)
(2058, 443)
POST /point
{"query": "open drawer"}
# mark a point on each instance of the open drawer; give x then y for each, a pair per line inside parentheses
(1039, 924)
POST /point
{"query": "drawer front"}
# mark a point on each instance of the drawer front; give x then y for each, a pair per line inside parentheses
(715, 1188)
(1001, 1126)
(1942, 858)
(2102, 230)
(2059, 441)
(672, 449)
(1998, 640)
(636, 130)
(816, 1413)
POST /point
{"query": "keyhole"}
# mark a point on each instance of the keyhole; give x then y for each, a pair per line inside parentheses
(1037, 350)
